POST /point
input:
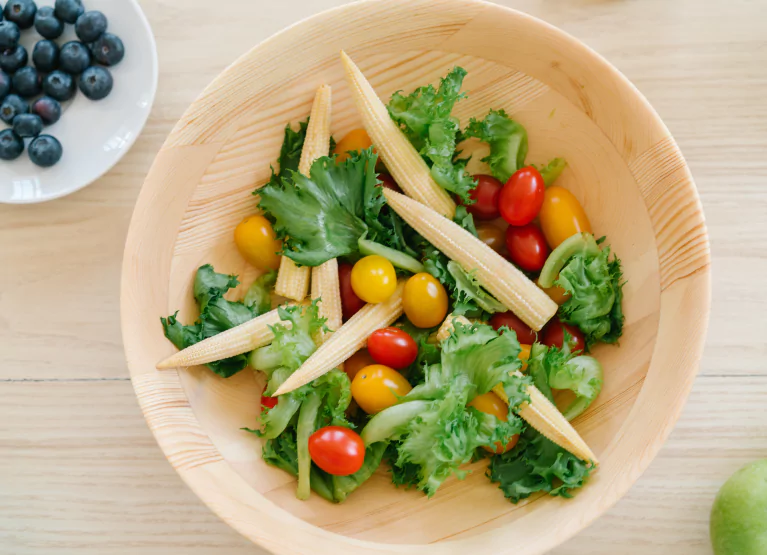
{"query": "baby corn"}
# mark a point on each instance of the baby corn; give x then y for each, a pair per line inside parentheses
(235, 341)
(325, 285)
(349, 339)
(400, 157)
(539, 412)
(499, 277)
(293, 281)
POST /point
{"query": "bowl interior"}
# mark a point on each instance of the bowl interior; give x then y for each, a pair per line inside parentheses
(572, 104)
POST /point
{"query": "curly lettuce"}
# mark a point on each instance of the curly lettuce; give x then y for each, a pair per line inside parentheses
(507, 140)
(216, 315)
(425, 117)
(537, 465)
(432, 429)
(470, 293)
(259, 294)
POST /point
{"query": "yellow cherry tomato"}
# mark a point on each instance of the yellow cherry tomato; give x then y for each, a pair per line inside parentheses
(492, 236)
(562, 216)
(524, 355)
(490, 403)
(424, 301)
(378, 387)
(356, 139)
(257, 243)
(374, 279)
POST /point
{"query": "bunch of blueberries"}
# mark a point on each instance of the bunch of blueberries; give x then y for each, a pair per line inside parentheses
(56, 73)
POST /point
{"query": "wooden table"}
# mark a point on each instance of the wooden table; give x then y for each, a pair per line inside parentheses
(79, 470)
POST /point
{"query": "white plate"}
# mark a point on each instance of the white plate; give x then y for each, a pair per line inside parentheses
(95, 135)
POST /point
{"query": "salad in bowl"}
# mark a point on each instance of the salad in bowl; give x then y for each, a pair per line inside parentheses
(412, 316)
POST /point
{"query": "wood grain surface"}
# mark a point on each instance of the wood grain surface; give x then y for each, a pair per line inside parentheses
(79, 471)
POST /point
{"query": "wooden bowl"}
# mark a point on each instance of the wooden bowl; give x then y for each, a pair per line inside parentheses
(624, 167)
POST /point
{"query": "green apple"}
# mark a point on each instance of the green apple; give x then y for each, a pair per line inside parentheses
(739, 514)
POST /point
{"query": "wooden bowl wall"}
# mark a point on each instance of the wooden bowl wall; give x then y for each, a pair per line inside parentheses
(624, 167)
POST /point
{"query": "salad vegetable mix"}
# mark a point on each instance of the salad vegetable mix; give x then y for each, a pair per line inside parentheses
(450, 316)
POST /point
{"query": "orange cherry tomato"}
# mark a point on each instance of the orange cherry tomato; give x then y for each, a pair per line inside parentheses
(424, 301)
(354, 140)
(378, 387)
(562, 216)
(357, 362)
(492, 236)
(524, 354)
(257, 243)
(337, 450)
(490, 403)
(374, 279)
(557, 294)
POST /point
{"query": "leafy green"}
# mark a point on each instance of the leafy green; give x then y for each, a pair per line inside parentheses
(321, 216)
(442, 433)
(259, 295)
(216, 315)
(507, 140)
(405, 475)
(468, 290)
(595, 284)
(344, 485)
(425, 118)
(583, 376)
(291, 345)
(551, 171)
(290, 153)
(537, 464)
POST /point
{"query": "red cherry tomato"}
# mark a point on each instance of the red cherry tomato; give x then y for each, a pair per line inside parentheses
(269, 402)
(527, 247)
(522, 197)
(509, 319)
(350, 302)
(336, 450)
(388, 182)
(485, 195)
(553, 336)
(392, 347)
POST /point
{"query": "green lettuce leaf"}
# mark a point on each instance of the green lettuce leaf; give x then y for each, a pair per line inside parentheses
(583, 376)
(469, 292)
(442, 434)
(321, 216)
(344, 485)
(290, 153)
(595, 284)
(216, 315)
(537, 464)
(551, 171)
(259, 295)
(507, 140)
(425, 118)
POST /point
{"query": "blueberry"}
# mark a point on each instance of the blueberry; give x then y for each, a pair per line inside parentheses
(28, 125)
(26, 82)
(74, 57)
(5, 84)
(14, 58)
(12, 106)
(96, 82)
(11, 145)
(21, 12)
(90, 26)
(47, 24)
(59, 85)
(45, 151)
(9, 34)
(48, 109)
(108, 49)
(69, 10)
(46, 55)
